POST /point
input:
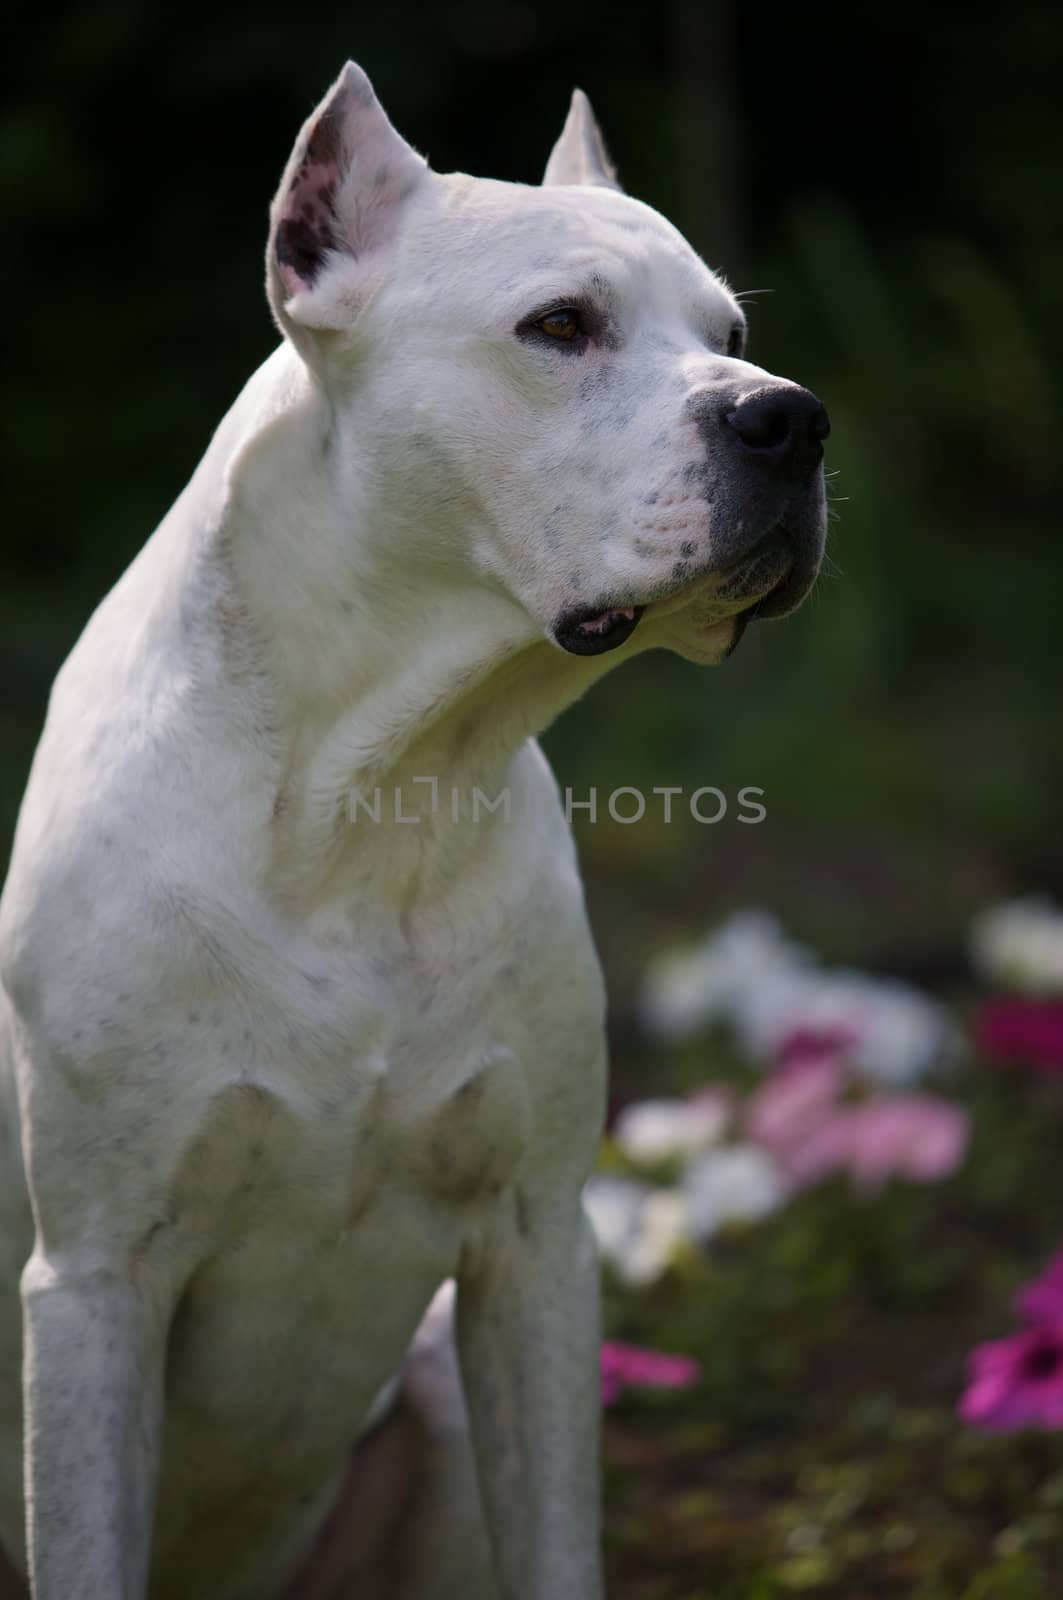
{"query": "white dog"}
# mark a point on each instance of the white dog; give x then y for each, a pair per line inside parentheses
(289, 1033)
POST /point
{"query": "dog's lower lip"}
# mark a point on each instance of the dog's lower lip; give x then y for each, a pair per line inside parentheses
(777, 602)
(593, 630)
(772, 558)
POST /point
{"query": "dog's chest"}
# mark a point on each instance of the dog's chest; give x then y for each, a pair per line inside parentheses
(340, 1193)
(392, 1099)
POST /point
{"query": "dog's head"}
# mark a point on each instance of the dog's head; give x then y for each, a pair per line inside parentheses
(546, 387)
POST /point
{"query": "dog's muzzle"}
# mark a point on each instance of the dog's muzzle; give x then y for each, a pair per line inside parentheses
(773, 438)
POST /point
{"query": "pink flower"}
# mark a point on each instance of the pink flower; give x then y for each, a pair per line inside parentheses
(1017, 1382)
(1024, 1030)
(915, 1136)
(1042, 1300)
(628, 1365)
(793, 1103)
(827, 1150)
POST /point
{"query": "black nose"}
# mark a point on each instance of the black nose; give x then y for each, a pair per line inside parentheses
(783, 427)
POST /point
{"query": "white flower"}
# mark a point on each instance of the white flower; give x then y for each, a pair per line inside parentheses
(1020, 944)
(663, 1229)
(614, 1206)
(654, 1130)
(904, 1033)
(681, 992)
(767, 988)
(897, 1033)
(638, 1228)
(739, 1183)
(765, 1011)
(686, 988)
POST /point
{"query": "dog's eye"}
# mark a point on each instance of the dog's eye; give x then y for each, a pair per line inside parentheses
(736, 340)
(570, 327)
(564, 324)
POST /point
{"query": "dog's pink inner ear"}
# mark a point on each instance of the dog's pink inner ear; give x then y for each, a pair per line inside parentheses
(306, 227)
(339, 207)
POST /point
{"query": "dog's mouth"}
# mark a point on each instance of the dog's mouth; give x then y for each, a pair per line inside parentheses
(767, 581)
(591, 632)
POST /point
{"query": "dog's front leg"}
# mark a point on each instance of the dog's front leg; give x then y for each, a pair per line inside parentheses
(93, 1386)
(528, 1334)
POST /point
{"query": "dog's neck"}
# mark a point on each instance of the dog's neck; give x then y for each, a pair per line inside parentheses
(386, 662)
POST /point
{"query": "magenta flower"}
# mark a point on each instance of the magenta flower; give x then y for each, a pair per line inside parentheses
(803, 1045)
(1042, 1300)
(1017, 1382)
(629, 1366)
(1023, 1030)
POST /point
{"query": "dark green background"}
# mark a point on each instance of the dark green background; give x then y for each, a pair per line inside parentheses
(892, 176)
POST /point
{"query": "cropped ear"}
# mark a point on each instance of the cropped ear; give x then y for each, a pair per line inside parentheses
(338, 209)
(580, 156)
